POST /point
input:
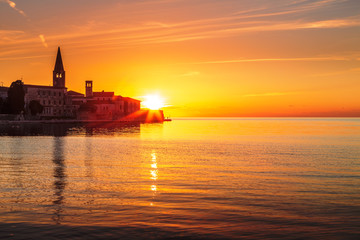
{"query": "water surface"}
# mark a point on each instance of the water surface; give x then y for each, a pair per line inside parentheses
(189, 178)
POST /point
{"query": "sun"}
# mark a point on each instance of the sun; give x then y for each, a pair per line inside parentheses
(153, 102)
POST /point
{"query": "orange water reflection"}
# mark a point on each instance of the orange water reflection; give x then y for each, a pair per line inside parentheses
(153, 176)
(59, 179)
(226, 176)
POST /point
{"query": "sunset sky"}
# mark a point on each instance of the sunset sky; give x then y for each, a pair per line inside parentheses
(225, 58)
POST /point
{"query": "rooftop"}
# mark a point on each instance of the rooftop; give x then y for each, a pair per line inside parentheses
(103, 94)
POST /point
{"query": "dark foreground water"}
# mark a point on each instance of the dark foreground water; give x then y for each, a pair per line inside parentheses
(189, 179)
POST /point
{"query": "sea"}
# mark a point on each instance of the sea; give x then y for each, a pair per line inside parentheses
(191, 178)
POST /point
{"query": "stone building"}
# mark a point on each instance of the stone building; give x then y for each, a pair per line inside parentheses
(3, 93)
(57, 102)
(103, 105)
(54, 99)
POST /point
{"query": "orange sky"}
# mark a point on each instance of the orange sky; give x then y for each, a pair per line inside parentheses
(205, 57)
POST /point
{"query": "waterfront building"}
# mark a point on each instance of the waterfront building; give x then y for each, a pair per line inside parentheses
(3, 93)
(103, 105)
(57, 102)
(54, 99)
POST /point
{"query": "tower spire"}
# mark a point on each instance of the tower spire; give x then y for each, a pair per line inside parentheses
(59, 64)
(59, 72)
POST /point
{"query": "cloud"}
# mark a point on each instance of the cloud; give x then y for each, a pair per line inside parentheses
(190, 74)
(24, 57)
(157, 31)
(42, 38)
(270, 94)
(337, 23)
(247, 60)
(157, 24)
(6, 34)
(13, 5)
(336, 73)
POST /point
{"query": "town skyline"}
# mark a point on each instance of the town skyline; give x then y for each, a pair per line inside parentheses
(205, 58)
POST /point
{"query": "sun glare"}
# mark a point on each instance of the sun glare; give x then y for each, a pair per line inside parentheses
(153, 102)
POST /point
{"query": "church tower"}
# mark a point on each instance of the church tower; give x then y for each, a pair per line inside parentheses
(59, 72)
(88, 88)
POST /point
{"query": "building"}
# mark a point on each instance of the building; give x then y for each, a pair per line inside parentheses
(102, 105)
(3, 93)
(58, 103)
(54, 99)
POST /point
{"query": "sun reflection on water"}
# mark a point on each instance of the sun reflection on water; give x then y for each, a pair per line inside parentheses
(153, 175)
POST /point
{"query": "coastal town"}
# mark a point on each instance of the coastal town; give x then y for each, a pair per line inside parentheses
(27, 102)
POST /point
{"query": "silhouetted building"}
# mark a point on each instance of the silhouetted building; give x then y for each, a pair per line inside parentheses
(59, 72)
(3, 93)
(88, 89)
(54, 99)
(57, 102)
(102, 105)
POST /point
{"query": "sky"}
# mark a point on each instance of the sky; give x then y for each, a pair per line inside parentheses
(206, 58)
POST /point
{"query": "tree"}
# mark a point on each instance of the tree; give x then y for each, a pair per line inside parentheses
(16, 94)
(35, 107)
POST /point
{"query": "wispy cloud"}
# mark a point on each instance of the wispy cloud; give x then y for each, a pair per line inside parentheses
(42, 38)
(10, 34)
(13, 5)
(270, 94)
(150, 31)
(24, 57)
(335, 73)
(189, 74)
(246, 60)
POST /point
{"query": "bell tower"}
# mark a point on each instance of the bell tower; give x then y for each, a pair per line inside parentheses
(88, 88)
(59, 72)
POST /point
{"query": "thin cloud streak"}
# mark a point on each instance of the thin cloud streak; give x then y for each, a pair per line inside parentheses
(158, 32)
(352, 70)
(42, 38)
(308, 59)
(155, 34)
(270, 94)
(189, 74)
(24, 57)
(13, 5)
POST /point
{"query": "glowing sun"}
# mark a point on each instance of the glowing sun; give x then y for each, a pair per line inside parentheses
(153, 102)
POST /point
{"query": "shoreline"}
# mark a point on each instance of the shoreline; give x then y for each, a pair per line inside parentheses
(75, 121)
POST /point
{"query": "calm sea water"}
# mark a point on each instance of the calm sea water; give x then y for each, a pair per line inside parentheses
(189, 178)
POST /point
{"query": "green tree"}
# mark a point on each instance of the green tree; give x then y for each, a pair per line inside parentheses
(16, 94)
